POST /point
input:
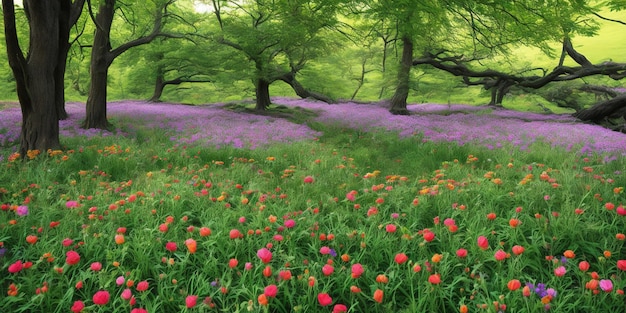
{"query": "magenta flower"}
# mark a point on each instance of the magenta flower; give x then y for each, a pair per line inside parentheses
(22, 210)
(606, 285)
(265, 255)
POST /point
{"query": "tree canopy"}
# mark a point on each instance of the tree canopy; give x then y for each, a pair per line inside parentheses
(323, 49)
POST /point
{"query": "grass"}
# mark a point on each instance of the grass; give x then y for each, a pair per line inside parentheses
(194, 226)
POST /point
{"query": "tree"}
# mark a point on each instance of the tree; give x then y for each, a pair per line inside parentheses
(103, 54)
(278, 37)
(39, 75)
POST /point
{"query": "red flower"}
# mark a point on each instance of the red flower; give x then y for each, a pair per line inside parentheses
(171, 246)
(621, 264)
(340, 308)
(270, 291)
(16, 267)
(101, 297)
(232, 263)
(401, 258)
(324, 299)
(142, 286)
(584, 265)
(77, 306)
(428, 235)
(517, 250)
(72, 257)
(434, 279)
(483, 243)
(500, 255)
(190, 301)
(138, 310)
(308, 180)
(390, 228)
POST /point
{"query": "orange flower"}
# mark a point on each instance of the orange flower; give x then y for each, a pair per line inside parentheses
(262, 300)
(191, 245)
(569, 254)
(119, 239)
(514, 222)
(32, 239)
(514, 284)
(436, 258)
(378, 295)
(463, 308)
(381, 278)
(607, 254)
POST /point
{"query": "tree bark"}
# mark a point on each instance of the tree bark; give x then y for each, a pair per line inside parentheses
(398, 101)
(35, 77)
(290, 79)
(603, 110)
(262, 94)
(96, 111)
(159, 85)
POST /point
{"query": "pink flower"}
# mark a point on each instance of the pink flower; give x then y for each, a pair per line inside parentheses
(560, 271)
(78, 306)
(328, 269)
(461, 253)
(16, 267)
(248, 266)
(325, 250)
(126, 294)
(290, 223)
(308, 180)
(96, 266)
(101, 297)
(191, 301)
(483, 243)
(351, 196)
(120, 280)
(357, 270)
(606, 285)
(235, 234)
(72, 257)
(500, 255)
(265, 255)
(324, 299)
(270, 291)
(340, 308)
(67, 242)
(390, 228)
(448, 222)
(142, 285)
(138, 310)
(71, 204)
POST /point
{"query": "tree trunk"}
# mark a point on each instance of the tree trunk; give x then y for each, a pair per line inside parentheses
(262, 94)
(398, 101)
(36, 80)
(159, 85)
(59, 71)
(96, 115)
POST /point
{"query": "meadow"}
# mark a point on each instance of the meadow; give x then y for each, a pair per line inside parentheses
(314, 208)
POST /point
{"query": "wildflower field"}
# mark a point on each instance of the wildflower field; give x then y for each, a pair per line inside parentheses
(328, 208)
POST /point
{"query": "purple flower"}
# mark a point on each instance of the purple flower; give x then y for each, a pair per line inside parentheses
(22, 210)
